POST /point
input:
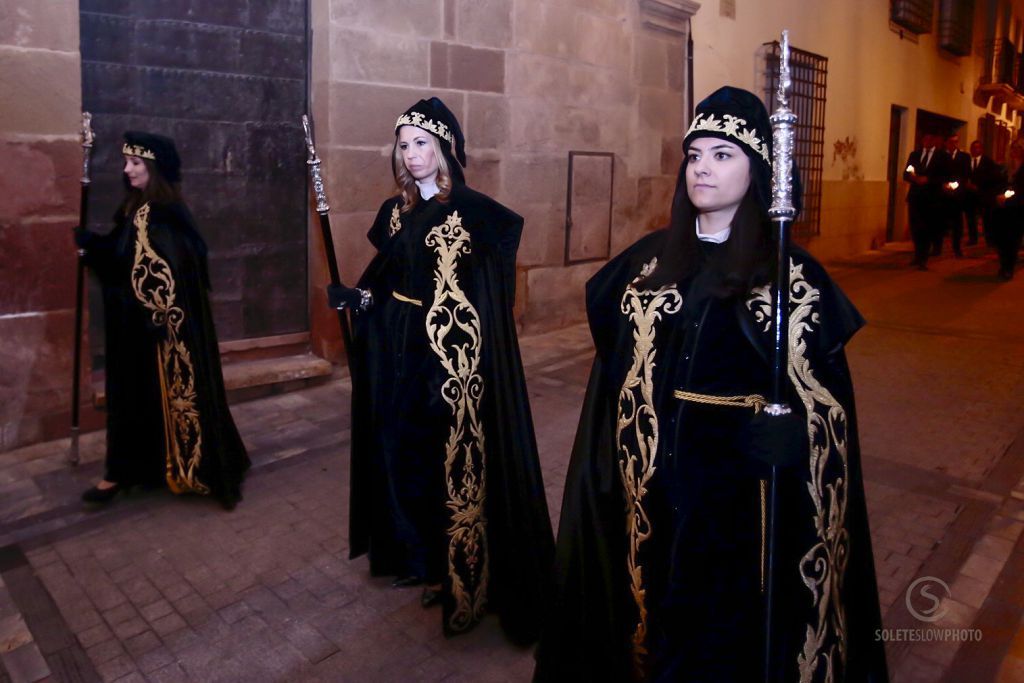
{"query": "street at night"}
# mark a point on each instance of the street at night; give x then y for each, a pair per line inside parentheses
(154, 588)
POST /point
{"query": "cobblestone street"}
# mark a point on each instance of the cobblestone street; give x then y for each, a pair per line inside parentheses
(157, 588)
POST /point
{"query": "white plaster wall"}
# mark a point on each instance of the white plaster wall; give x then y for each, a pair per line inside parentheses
(870, 67)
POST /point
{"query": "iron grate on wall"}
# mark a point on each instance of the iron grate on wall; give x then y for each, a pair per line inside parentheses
(809, 74)
(914, 15)
(956, 24)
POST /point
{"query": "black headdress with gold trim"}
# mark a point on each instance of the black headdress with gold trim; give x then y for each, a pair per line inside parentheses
(437, 119)
(740, 117)
(158, 149)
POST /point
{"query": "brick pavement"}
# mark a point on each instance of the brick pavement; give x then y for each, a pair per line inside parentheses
(163, 589)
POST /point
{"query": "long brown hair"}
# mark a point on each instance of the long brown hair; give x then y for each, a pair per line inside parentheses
(158, 190)
(407, 188)
(744, 262)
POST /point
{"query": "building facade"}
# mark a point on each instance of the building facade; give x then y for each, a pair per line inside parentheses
(573, 111)
(894, 70)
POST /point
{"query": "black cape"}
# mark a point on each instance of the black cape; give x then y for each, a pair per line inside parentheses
(660, 562)
(167, 414)
(446, 484)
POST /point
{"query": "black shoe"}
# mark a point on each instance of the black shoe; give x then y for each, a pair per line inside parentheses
(430, 597)
(406, 582)
(921, 266)
(971, 243)
(229, 499)
(98, 495)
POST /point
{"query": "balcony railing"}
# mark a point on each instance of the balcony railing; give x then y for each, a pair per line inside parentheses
(1003, 74)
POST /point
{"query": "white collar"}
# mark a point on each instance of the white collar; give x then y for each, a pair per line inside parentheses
(716, 238)
(428, 188)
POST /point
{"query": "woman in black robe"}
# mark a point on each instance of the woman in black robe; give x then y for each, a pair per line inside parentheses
(168, 421)
(446, 486)
(661, 554)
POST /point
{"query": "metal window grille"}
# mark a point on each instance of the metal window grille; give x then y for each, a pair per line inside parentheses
(913, 15)
(809, 73)
(956, 23)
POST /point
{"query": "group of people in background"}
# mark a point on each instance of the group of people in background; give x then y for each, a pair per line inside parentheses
(950, 188)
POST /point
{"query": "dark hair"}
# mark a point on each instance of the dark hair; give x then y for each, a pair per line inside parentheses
(745, 259)
(158, 190)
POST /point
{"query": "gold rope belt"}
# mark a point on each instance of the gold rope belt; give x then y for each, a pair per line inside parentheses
(755, 401)
(402, 297)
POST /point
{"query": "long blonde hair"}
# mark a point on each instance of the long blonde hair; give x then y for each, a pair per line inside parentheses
(407, 184)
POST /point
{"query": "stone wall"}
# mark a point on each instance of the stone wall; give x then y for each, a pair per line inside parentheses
(227, 81)
(39, 192)
(530, 80)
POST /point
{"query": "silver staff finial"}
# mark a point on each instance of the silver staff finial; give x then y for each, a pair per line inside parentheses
(88, 138)
(322, 206)
(782, 93)
(783, 139)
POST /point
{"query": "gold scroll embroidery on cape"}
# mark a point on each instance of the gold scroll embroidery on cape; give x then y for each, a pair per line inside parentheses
(454, 333)
(636, 437)
(396, 221)
(823, 566)
(154, 287)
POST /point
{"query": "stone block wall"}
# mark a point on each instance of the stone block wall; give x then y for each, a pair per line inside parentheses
(226, 80)
(39, 193)
(530, 80)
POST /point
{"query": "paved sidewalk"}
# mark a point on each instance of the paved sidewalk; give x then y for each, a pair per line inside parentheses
(160, 588)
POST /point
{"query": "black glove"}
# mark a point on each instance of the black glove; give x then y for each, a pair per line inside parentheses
(82, 237)
(340, 296)
(779, 440)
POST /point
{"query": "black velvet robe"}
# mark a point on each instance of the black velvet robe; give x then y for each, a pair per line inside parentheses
(167, 414)
(660, 562)
(446, 483)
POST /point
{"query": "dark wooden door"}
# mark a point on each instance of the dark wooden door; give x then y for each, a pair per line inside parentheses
(227, 79)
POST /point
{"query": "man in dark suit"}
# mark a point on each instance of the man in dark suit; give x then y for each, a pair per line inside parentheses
(983, 184)
(958, 170)
(924, 171)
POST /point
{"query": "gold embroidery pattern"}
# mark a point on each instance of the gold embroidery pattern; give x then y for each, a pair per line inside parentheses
(420, 121)
(731, 126)
(636, 437)
(137, 151)
(154, 287)
(453, 330)
(396, 221)
(406, 299)
(823, 566)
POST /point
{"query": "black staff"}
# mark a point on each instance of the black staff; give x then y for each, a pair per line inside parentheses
(88, 138)
(323, 209)
(781, 213)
